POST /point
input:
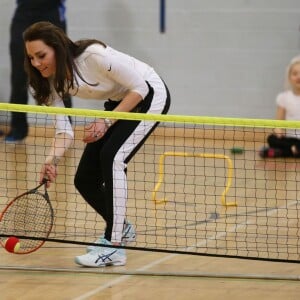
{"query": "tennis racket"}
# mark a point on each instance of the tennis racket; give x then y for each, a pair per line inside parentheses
(29, 217)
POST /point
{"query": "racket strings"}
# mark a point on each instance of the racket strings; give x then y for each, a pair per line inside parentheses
(30, 216)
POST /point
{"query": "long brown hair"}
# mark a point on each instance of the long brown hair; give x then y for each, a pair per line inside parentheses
(65, 52)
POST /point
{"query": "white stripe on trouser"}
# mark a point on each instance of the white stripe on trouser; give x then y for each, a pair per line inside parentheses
(120, 180)
(119, 176)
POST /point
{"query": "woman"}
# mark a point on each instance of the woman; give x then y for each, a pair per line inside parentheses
(91, 69)
(286, 143)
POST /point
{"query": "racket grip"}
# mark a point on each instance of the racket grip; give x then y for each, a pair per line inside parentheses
(45, 180)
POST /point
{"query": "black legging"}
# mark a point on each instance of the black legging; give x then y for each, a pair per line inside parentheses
(284, 144)
(94, 176)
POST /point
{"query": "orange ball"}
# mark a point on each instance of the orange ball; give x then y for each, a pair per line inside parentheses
(12, 244)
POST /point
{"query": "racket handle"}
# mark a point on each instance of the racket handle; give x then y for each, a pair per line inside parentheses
(45, 179)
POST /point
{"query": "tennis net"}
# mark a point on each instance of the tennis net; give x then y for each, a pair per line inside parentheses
(197, 186)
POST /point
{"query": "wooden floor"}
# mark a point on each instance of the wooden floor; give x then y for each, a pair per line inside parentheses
(206, 278)
(50, 273)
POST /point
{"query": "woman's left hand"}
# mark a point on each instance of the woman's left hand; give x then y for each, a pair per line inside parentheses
(94, 131)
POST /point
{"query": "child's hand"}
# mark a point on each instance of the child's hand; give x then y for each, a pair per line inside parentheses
(279, 132)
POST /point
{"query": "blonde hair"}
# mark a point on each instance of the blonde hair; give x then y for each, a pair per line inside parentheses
(295, 60)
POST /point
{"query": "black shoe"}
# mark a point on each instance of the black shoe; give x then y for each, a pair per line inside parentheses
(14, 138)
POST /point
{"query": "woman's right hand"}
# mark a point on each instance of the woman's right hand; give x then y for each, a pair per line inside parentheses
(49, 172)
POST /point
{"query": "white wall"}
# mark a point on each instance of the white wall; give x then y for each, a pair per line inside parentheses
(219, 58)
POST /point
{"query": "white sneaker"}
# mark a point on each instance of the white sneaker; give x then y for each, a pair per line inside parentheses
(128, 236)
(102, 257)
(98, 241)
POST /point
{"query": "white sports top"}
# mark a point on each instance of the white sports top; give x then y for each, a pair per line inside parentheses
(113, 72)
(291, 103)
